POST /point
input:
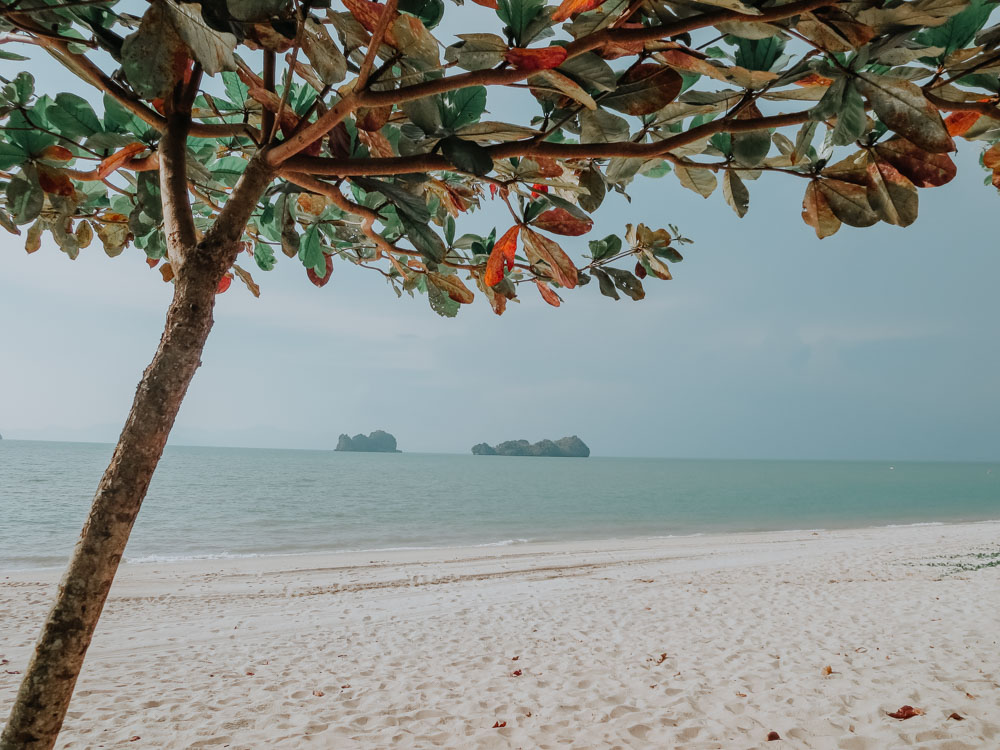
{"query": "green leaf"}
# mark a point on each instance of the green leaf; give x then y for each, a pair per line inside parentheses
(851, 119)
(462, 107)
(758, 54)
(324, 55)
(311, 251)
(154, 56)
(25, 133)
(902, 107)
(441, 303)
(606, 248)
(430, 12)
(11, 154)
(73, 116)
(24, 200)
(751, 148)
(424, 239)
(831, 102)
(467, 156)
(263, 255)
(412, 205)
(20, 90)
(598, 126)
(424, 113)
(956, 33)
(590, 71)
(213, 49)
(519, 15)
(228, 170)
(255, 10)
(735, 193)
(476, 51)
(606, 285)
(627, 282)
(5, 55)
(237, 91)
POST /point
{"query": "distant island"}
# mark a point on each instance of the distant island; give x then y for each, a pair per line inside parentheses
(567, 447)
(379, 441)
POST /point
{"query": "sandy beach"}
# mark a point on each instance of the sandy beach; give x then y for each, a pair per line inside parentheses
(697, 642)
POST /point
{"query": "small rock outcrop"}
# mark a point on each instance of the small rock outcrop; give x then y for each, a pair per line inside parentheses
(379, 441)
(567, 447)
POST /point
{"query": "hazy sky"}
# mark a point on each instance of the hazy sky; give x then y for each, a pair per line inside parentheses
(875, 343)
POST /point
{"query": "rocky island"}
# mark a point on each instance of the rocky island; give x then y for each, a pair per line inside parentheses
(379, 441)
(567, 447)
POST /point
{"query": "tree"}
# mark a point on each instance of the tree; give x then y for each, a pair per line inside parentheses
(261, 127)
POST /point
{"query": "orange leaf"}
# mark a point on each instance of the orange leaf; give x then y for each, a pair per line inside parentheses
(117, 159)
(906, 712)
(816, 212)
(541, 248)
(991, 157)
(167, 272)
(366, 12)
(224, 283)
(814, 79)
(561, 221)
(502, 255)
(569, 8)
(536, 59)
(923, 168)
(548, 295)
(500, 725)
(56, 153)
(54, 181)
(958, 123)
(487, 3)
(152, 262)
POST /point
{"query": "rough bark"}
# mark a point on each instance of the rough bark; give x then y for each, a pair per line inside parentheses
(47, 687)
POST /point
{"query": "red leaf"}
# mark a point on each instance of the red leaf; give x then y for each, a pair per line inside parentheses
(134, 738)
(645, 89)
(569, 8)
(906, 712)
(224, 283)
(536, 59)
(117, 159)
(487, 3)
(500, 725)
(516, 673)
(502, 255)
(923, 168)
(639, 270)
(772, 736)
(548, 295)
(315, 278)
(958, 123)
(957, 717)
(152, 262)
(561, 221)
(54, 181)
(514, 658)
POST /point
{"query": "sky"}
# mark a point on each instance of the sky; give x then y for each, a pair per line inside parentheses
(873, 344)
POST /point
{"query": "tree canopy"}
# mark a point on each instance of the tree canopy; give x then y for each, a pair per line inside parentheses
(378, 143)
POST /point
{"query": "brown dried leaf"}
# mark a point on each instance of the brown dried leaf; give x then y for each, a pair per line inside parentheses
(906, 712)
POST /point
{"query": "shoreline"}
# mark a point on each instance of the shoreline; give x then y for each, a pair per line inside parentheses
(536, 545)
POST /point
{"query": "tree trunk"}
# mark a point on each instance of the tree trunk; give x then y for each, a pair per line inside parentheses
(45, 692)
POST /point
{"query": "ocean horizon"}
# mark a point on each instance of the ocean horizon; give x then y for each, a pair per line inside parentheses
(216, 502)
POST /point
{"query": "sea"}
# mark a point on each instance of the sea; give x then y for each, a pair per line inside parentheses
(236, 502)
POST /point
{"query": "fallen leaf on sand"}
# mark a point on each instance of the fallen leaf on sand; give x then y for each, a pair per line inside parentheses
(344, 687)
(827, 670)
(516, 673)
(318, 693)
(662, 658)
(772, 736)
(134, 737)
(514, 658)
(500, 725)
(250, 674)
(970, 695)
(957, 717)
(741, 695)
(906, 712)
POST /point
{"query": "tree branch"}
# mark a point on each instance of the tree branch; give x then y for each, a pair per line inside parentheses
(989, 109)
(178, 220)
(434, 162)
(388, 11)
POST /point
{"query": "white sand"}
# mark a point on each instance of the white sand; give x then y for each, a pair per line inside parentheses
(417, 649)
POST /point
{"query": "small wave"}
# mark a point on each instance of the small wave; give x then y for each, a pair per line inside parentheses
(185, 558)
(504, 543)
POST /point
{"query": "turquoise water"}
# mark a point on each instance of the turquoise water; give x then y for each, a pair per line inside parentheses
(217, 502)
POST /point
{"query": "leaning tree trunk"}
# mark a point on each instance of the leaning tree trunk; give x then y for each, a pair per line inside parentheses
(47, 687)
